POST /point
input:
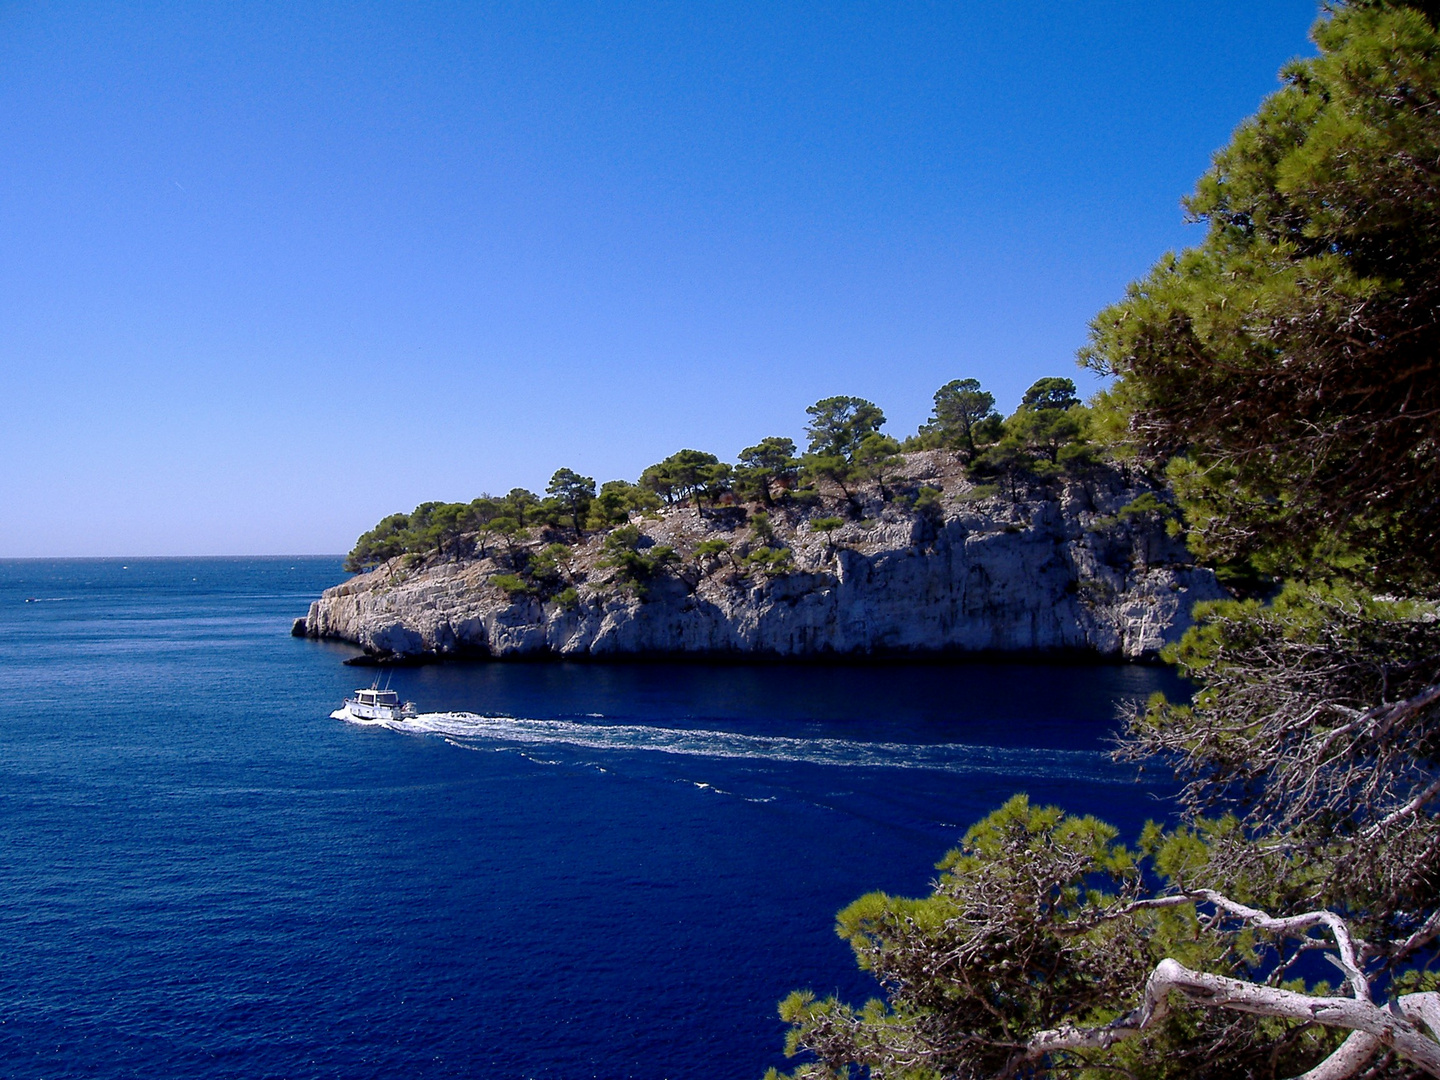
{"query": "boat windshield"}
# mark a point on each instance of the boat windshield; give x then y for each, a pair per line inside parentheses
(377, 697)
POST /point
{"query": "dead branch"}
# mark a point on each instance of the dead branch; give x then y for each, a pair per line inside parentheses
(1400, 1025)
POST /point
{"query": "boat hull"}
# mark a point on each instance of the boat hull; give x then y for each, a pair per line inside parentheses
(355, 710)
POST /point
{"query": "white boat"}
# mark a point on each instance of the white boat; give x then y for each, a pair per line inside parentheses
(377, 704)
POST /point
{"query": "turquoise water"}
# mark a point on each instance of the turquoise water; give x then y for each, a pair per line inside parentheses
(558, 871)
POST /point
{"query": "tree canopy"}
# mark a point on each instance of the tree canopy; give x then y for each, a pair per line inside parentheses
(838, 425)
(960, 407)
(575, 491)
(685, 474)
(1292, 356)
(1050, 393)
(772, 460)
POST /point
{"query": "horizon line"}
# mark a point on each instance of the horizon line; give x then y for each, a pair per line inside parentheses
(143, 558)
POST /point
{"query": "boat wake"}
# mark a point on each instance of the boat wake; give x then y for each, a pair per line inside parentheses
(503, 732)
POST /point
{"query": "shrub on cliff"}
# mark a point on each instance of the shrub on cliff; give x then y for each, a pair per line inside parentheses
(431, 526)
(846, 452)
(637, 562)
(384, 541)
(1046, 437)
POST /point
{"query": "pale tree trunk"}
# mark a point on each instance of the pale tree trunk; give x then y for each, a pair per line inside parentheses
(1400, 1025)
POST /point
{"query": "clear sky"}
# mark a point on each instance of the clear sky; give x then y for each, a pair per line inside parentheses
(272, 271)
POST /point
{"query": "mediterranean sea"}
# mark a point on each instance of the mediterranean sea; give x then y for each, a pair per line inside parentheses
(558, 871)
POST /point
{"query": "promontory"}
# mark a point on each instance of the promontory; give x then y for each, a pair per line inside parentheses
(922, 561)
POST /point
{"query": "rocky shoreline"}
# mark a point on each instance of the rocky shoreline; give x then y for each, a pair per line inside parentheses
(1070, 567)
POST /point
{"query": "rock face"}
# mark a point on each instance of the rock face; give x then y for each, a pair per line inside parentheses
(1061, 568)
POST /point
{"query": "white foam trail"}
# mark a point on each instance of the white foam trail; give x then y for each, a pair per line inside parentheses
(504, 731)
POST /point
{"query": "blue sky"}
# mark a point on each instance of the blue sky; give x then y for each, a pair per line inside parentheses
(272, 271)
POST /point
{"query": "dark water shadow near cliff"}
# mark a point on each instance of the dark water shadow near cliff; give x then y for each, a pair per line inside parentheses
(995, 703)
(926, 748)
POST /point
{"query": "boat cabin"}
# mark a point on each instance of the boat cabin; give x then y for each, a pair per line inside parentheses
(377, 697)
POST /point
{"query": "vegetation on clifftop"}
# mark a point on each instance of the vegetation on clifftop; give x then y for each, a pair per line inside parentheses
(847, 454)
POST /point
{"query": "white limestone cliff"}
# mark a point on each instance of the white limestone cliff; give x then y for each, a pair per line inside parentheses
(1061, 569)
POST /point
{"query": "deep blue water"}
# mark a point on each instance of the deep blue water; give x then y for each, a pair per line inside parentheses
(570, 871)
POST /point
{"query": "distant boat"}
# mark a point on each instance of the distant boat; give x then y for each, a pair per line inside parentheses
(376, 704)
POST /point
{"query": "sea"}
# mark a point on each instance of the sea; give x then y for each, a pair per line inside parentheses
(557, 870)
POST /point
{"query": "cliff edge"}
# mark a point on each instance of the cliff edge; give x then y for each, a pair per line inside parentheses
(1077, 565)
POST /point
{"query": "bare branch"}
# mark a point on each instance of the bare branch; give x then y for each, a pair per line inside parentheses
(1409, 808)
(1293, 926)
(1349, 1058)
(1424, 935)
(1422, 1009)
(1389, 1028)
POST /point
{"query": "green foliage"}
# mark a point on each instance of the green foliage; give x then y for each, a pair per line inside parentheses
(875, 457)
(575, 492)
(568, 598)
(770, 462)
(1043, 439)
(510, 531)
(772, 561)
(871, 457)
(806, 497)
(961, 408)
(826, 524)
(989, 430)
(847, 452)
(625, 538)
(685, 474)
(1286, 368)
(1032, 925)
(838, 425)
(521, 504)
(546, 567)
(637, 562)
(1147, 506)
(1050, 395)
(431, 526)
(618, 499)
(708, 550)
(831, 468)
(1019, 934)
(537, 573)
(385, 541)
(1008, 462)
(1111, 411)
(434, 524)
(514, 585)
(1043, 432)
(979, 493)
(1292, 355)
(929, 504)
